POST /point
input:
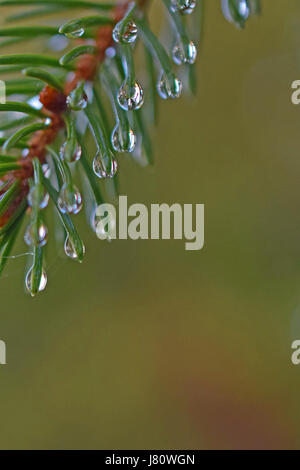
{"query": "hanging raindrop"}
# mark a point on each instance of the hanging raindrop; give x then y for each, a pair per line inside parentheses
(33, 193)
(75, 33)
(184, 55)
(125, 35)
(70, 154)
(123, 141)
(70, 250)
(169, 87)
(131, 97)
(105, 166)
(77, 99)
(69, 200)
(183, 6)
(28, 282)
(33, 237)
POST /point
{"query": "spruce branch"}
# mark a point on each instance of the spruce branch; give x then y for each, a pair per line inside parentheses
(59, 97)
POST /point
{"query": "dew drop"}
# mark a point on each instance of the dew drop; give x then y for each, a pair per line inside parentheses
(183, 6)
(69, 200)
(105, 166)
(34, 193)
(44, 203)
(70, 153)
(70, 250)
(184, 55)
(125, 35)
(169, 87)
(77, 99)
(75, 34)
(131, 97)
(123, 141)
(28, 282)
(46, 170)
(31, 237)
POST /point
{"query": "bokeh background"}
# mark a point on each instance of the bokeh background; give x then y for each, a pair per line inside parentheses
(146, 345)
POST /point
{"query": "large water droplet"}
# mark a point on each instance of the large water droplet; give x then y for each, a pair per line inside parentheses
(35, 193)
(105, 166)
(184, 55)
(125, 35)
(28, 282)
(69, 200)
(183, 6)
(77, 99)
(123, 141)
(131, 97)
(69, 152)
(70, 250)
(169, 87)
(75, 33)
(39, 237)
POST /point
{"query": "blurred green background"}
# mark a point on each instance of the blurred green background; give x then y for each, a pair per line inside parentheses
(147, 345)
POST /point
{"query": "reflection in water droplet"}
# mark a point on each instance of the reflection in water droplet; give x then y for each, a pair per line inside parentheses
(184, 55)
(70, 154)
(75, 34)
(69, 200)
(243, 9)
(131, 97)
(77, 99)
(34, 192)
(28, 282)
(70, 250)
(105, 166)
(125, 35)
(183, 6)
(169, 87)
(123, 141)
(32, 238)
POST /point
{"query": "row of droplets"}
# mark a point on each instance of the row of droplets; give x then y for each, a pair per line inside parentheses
(130, 97)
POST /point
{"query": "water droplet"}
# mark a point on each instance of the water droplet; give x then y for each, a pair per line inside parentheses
(183, 6)
(243, 9)
(28, 282)
(31, 237)
(69, 200)
(44, 203)
(105, 166)
(77, 99)
(70, 250)
(125, 35)
(131, 97)
(75, 33)
(35, 193)
(70, 152)
(169, 87)
(123, 141)
(46, 170)
(184, 55)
